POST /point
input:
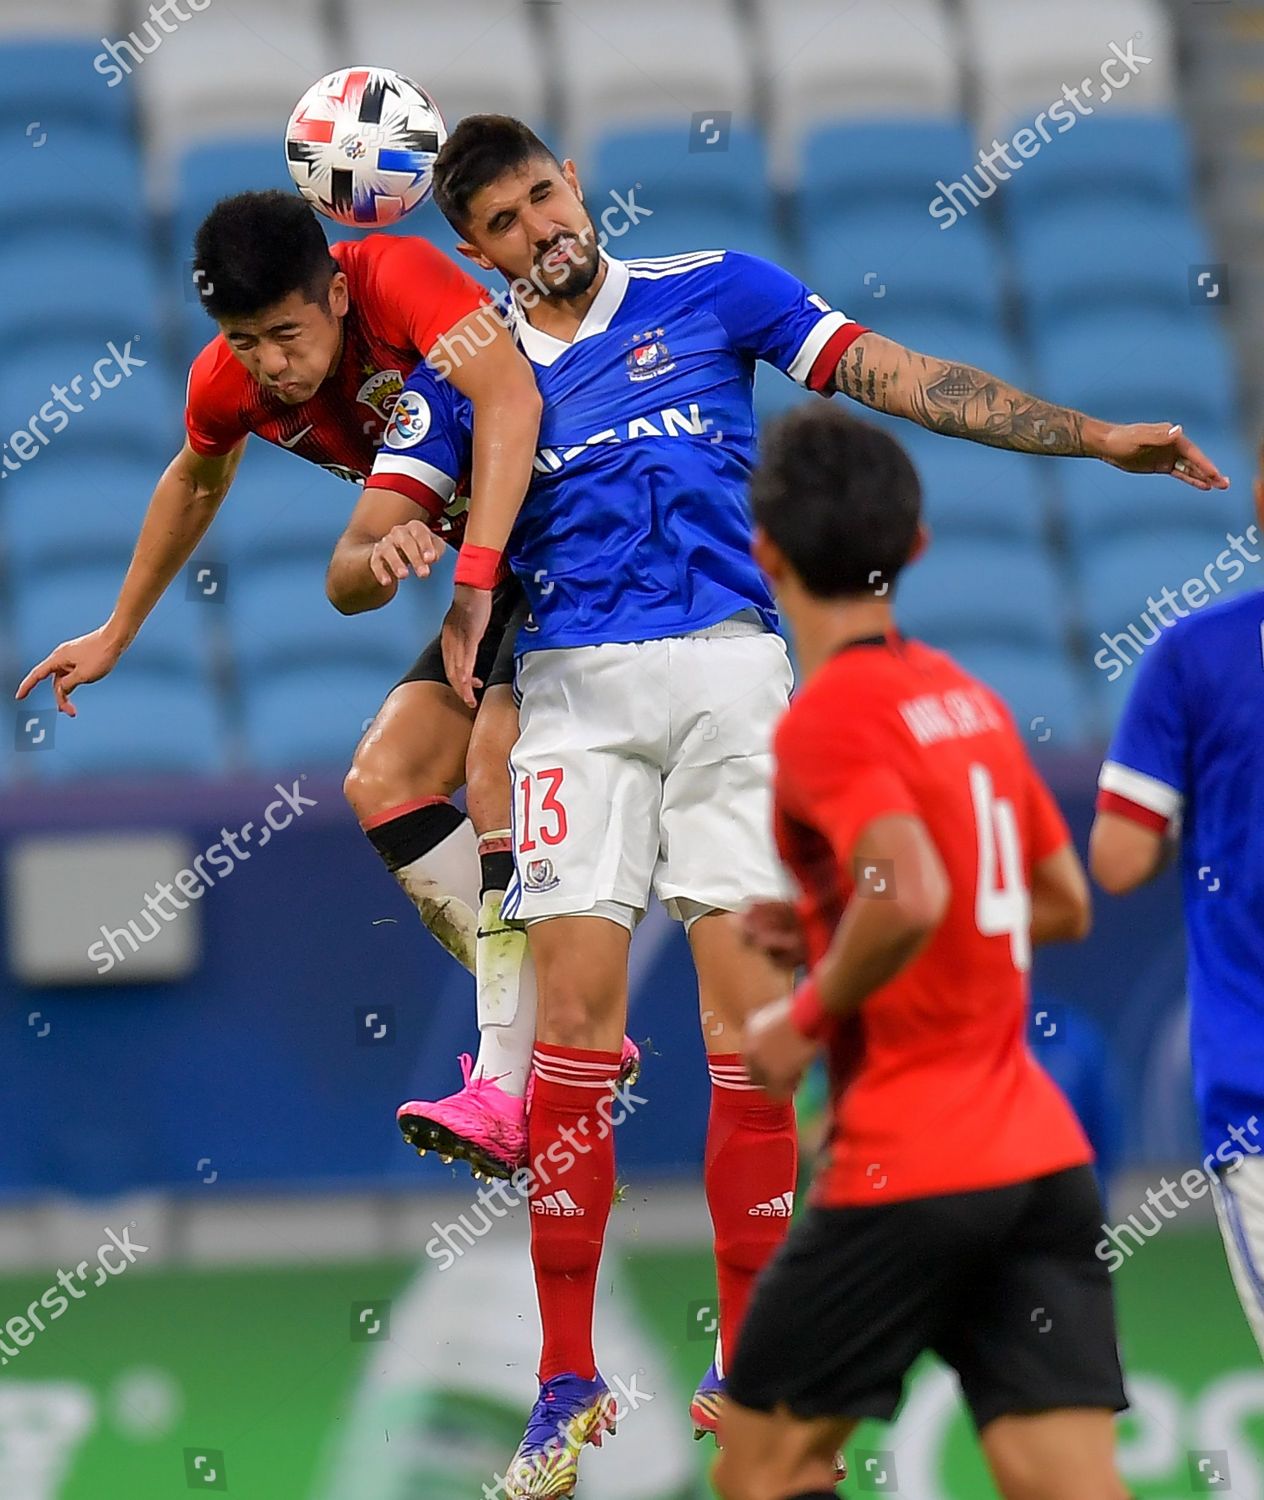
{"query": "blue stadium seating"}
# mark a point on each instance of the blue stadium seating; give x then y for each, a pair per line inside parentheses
(143, 723)
(1101, 255)
(900, 260)
(877, 164)
(1100, 503)
(951, 334)
(313, 714)
(63, 602)
(985, 593)
(1043, 691)
(971, 491)
(1139, 367)
(278, 616)
(53, 83)
(62, 277)
(62, 508)
(83, 180)
(699, 200)
(280, 505)
(1132, 161)
(138, 417)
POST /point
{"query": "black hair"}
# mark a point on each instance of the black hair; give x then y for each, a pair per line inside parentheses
(254, 249)
(839, 497)
(481, 149)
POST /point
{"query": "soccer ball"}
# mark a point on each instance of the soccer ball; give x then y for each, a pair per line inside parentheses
(361, 145)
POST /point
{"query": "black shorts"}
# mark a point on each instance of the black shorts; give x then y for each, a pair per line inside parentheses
(494, 666)
(1004, 1285)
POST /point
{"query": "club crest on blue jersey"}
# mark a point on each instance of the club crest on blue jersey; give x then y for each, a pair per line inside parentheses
(540, 876)
(649, 359)
(410, 420)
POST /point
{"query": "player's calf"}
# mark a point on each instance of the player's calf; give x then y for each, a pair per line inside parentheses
(405, 769)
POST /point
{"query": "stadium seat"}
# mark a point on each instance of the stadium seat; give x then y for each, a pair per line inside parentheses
(1145, 367)
(280, 506)
(211, 170)
(684, 67)
(1101, 503)
(68, 600)
(1022, 62)
(967, 592)
(692, 200)
(62, 278)
(1098, 254)
(879, 163)
(972, 491)
(269, 57)
(278, 616)
(1045, 693)
(476, 57)
(828, 62)
(50, 83)
(65, 507)
(1126, 162)
(138, 417)
(311, 715)
(1121, 574)
(900, 261)
(83, 180)
(144, 723)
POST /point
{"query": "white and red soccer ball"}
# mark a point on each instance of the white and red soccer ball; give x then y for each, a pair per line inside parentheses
(361, 146)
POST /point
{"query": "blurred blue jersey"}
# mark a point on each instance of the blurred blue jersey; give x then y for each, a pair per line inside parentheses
(1190, 750)
(637, 524)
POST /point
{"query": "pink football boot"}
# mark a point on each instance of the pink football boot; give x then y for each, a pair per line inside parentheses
(482, 1124)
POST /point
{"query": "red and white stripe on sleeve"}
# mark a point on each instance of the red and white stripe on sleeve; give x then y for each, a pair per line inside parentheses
(819, 354)
(1140, 798)
(421, 482)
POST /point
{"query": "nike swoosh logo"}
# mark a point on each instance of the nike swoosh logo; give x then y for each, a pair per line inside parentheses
(297, 438)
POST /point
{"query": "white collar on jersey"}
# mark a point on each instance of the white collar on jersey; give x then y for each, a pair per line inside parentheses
(544, 349)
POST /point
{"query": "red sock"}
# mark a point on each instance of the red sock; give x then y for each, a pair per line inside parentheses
(571, 1150)
(751, 1165)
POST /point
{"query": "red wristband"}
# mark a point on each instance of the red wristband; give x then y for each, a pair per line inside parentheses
(479, 567)
(807, 1013)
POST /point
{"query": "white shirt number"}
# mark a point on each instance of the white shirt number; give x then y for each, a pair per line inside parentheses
(1002, 903)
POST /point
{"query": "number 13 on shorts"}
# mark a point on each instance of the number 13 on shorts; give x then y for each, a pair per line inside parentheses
(541, 813)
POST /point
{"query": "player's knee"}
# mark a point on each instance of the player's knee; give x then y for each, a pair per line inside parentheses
(386, 773)
(1021, 1476)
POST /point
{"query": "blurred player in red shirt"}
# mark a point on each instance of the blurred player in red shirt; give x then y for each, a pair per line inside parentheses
(956, 1209)
(314, 347)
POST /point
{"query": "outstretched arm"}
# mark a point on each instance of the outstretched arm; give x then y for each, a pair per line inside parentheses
(960, 401)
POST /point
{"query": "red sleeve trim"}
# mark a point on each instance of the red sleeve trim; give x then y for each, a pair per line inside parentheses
(1112, 802)
(411, 489)
(822, 372)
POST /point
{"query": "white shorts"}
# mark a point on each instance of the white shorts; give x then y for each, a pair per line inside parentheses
(647, 767)
(1239, 1198)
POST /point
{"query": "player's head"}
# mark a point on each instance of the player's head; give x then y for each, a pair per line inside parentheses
(264, 273)
(837, 505)
(519, 210)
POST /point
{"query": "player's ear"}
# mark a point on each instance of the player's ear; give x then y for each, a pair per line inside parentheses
(472, 252)
(770, 557)
(920, 542)
(339, 295)
(571, 178)
(1258, 492)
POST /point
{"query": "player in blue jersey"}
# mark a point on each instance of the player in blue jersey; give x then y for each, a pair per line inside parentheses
(412, 508)
(1186, 770)
(651, 677)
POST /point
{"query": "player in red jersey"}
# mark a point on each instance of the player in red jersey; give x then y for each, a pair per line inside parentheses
(956, 1209)
(314, 347)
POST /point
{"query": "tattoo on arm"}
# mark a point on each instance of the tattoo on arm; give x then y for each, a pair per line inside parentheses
(956, 399)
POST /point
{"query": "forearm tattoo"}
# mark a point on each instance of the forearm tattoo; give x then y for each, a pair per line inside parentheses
(955, 399)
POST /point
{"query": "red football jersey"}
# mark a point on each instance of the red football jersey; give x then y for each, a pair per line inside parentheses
(933, 1087)
(404, 296)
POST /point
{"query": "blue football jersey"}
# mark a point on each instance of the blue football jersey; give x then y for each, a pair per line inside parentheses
(426, 451)
(636, 525)
(1189, 751)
